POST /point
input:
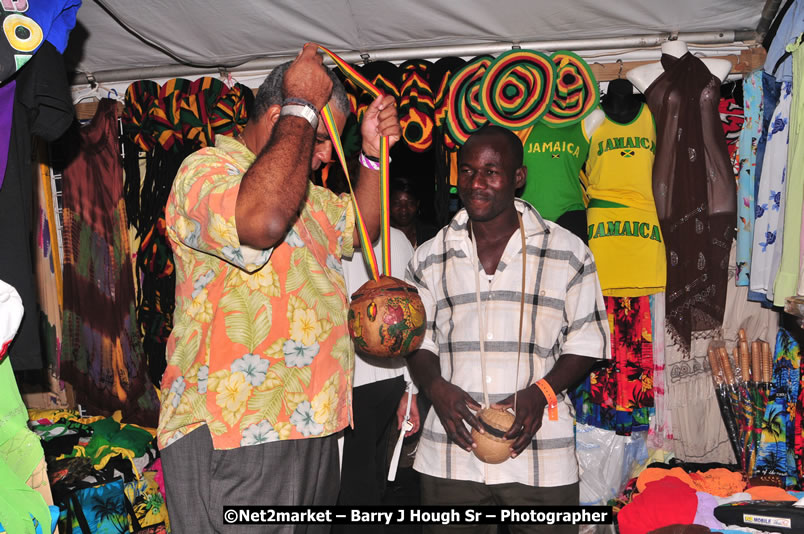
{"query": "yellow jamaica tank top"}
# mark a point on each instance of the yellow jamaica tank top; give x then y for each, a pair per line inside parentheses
(624, 233)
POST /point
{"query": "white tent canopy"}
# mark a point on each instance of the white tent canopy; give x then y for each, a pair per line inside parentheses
(118, 40)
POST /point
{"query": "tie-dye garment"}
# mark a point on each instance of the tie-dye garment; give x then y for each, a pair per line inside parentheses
(102, 355)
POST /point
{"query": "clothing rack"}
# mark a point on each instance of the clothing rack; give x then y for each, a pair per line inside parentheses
(747, 61)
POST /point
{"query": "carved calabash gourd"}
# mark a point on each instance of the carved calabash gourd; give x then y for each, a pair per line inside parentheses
(492, 448)
(386, 318)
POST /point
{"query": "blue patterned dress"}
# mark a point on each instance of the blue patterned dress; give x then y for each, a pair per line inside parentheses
(747, 147)
(767, 209)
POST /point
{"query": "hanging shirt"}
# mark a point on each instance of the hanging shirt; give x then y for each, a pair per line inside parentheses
(554, 157)
(732, 118)
(769, 208)
(42, 107)
(750, 134)
(790, 259)
(624, 233)
(779, 62)
(26, 25)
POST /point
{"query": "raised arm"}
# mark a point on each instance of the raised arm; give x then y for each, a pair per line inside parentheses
(273, 188)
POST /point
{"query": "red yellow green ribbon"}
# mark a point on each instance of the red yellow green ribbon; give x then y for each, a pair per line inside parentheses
(365, 241)
(385, 218)
(352, 73)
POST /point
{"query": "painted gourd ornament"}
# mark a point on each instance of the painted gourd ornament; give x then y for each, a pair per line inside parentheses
(492, 448)
(386, 318)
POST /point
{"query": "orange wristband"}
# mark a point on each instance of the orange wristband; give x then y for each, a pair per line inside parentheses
(550, 395)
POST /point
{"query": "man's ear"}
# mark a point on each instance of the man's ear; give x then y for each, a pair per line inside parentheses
(271, 116)
(265, 125)
(521, 176)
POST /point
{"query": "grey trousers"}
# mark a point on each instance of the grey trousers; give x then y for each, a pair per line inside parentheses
(200, 481)
(444, 492)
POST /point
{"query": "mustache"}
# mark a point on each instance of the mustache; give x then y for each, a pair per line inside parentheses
(477, 196)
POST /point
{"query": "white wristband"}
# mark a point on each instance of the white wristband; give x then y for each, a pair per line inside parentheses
(368, 163)
(299, 110)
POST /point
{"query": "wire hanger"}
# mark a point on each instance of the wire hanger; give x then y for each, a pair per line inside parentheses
(226, 77)
(97, 92)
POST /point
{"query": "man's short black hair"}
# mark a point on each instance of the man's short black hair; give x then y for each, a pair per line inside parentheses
(510, 138)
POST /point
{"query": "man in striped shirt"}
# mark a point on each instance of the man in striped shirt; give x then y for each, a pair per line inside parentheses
(471, 279)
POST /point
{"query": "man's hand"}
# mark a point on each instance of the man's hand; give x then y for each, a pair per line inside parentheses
(380, 119)
(530, 404)
(452, 404)
(307, 78)
(401, 410)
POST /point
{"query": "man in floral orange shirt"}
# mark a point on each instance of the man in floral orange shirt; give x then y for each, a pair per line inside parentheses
(259, 360)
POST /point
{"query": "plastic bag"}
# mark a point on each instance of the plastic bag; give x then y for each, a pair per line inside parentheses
(606, 461)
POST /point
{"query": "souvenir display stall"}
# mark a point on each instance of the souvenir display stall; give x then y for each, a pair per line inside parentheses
(681, 173)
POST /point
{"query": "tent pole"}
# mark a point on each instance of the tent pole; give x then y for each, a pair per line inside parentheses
(428, 52)
(768, 14)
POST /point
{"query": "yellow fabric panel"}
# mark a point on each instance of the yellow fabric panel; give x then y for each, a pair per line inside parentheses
(629, 251)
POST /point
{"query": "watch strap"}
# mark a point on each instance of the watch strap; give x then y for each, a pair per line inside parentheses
(300, 110)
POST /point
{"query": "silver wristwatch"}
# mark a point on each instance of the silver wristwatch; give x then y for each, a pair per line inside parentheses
(299, 110)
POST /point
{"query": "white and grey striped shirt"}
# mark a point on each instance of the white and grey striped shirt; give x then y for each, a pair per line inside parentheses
(564, 314)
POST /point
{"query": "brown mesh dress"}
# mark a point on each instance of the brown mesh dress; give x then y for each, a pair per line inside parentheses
(695, 193)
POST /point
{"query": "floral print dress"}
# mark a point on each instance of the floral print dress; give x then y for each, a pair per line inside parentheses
(747, 154)
(619, 396)
(768, 207)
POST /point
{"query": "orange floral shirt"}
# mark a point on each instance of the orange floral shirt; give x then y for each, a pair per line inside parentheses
(260, 350)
